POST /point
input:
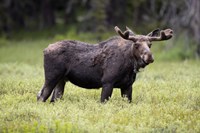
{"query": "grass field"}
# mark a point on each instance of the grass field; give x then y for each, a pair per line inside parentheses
(166, 98)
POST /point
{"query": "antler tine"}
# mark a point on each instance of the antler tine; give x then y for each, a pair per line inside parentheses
(124, 35)
(164, 35)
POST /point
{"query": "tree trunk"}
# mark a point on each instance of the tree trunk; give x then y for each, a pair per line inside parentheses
(48, 17)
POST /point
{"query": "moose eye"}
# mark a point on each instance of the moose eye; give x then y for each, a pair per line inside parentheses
(136, 45)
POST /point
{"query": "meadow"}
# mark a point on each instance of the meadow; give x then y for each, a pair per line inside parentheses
(166, 97)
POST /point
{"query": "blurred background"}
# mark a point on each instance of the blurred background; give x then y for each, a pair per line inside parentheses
(94, 20)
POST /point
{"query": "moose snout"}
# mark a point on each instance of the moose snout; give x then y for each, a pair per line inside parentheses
(148, 58)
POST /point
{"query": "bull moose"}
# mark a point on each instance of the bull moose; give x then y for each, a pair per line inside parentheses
(110, 64)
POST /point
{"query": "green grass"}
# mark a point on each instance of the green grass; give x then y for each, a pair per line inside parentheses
(166, 98)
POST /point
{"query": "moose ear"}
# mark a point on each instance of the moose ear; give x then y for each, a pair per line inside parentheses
(154, 33)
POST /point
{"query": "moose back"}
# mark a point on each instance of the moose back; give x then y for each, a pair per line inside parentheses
(110, 64)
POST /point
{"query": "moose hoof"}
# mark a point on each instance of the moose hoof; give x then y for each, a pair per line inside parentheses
(40, 98)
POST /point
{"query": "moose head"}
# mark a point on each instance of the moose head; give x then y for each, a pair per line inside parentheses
(142, 43)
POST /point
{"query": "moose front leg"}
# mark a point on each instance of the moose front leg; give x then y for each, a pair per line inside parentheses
(127, 92)
(106, 93)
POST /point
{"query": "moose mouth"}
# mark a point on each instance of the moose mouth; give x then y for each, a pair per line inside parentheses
(143, 63)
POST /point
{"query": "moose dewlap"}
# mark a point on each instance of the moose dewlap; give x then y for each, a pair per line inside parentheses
(110, 64)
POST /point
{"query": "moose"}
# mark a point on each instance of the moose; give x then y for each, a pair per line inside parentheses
(110, 64)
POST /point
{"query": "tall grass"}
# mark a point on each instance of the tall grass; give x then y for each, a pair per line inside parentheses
(166, 98)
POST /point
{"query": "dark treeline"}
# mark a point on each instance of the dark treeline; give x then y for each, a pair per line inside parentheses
(183, 16)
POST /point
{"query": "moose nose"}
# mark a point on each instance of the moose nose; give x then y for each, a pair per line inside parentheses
(150, 60)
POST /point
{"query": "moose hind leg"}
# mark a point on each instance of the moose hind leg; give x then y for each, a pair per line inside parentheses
(46, 90)
(54, 71)
(52, 76)
(58, 90)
